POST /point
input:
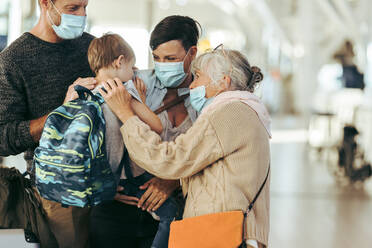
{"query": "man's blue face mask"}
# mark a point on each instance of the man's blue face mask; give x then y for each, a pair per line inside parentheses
(71, 27)
(171, 74)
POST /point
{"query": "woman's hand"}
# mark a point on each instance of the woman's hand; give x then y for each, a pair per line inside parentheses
(158, 191)
(117, 98)
(141, 88)
(130, 200)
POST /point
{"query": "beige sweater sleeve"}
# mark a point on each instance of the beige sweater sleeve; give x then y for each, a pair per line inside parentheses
(190, 153)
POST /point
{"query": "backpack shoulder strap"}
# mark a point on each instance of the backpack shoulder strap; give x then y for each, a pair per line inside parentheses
(84, 93)
(99, 98)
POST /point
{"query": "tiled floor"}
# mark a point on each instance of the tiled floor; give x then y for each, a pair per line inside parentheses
(308, 208)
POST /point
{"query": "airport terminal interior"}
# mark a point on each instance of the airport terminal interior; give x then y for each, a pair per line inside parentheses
(316, 57)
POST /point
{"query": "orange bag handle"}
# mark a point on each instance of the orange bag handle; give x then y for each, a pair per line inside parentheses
(252, 203)
(258, 193)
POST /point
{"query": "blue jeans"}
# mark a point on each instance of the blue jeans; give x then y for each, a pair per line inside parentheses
(166, 212)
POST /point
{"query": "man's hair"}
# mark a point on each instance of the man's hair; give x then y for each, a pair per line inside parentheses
(103, 51)
(176, 27)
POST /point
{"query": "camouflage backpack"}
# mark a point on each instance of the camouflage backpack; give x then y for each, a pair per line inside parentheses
(70, 163)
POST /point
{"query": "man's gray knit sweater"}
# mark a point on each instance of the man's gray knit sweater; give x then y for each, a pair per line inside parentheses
(34, 78)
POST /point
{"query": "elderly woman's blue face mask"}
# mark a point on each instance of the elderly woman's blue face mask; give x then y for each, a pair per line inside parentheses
(203, 90)
(198, 99)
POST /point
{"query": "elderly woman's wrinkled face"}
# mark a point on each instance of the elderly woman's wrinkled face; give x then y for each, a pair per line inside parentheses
(211, 88)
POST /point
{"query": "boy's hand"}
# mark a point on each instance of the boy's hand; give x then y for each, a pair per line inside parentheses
(89, 83)
(141, 88)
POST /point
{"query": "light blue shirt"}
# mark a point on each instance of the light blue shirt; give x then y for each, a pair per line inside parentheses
(156, 92)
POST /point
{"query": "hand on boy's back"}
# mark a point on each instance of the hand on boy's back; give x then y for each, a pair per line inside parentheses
(89, 83)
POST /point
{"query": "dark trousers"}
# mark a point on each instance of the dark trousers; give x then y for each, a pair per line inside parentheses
(115, 224)
(167, 212)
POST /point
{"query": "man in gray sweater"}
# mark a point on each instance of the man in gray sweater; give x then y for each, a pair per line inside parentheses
(36, 71)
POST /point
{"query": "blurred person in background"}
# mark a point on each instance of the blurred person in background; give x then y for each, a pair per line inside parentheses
(351, 76)
(36, 71)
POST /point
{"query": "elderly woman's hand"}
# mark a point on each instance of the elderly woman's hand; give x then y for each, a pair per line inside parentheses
(117, 98)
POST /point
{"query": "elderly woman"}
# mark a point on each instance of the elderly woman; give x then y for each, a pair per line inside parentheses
(224, 158)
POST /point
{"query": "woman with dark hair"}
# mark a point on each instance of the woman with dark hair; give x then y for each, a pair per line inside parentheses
(223, 159)
(124, 223)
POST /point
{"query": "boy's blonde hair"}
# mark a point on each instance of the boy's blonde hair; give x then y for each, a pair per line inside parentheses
(103, 51)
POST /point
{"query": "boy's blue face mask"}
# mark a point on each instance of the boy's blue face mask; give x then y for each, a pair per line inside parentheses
(198, 99)
(171, 74)
(71, 27)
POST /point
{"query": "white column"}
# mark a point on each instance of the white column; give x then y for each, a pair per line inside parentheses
(15, 20)
(305, 57)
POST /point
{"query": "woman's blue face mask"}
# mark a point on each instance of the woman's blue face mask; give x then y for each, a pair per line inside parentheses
(171, 74)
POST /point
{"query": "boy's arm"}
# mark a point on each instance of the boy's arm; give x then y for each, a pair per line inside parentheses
(141, 88)
(143, 111)
(147, 116)
(149, 79)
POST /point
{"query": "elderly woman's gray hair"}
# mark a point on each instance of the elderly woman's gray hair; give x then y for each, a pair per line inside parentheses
(220, 62)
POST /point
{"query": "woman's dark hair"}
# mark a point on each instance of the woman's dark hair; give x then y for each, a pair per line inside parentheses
(176, 27)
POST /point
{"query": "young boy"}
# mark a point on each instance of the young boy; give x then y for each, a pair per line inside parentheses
(111, 57)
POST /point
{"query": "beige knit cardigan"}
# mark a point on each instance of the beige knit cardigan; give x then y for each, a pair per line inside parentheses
(222, 161)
